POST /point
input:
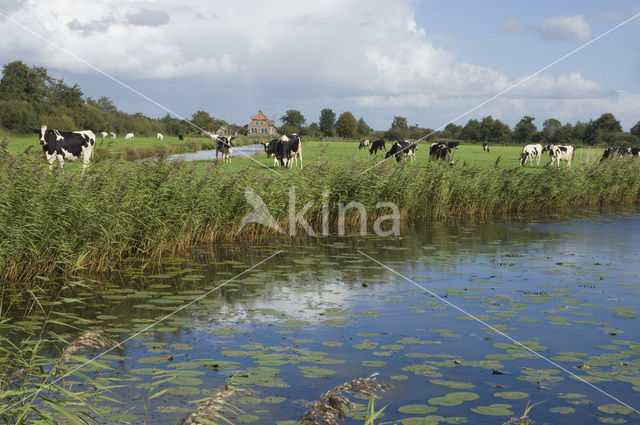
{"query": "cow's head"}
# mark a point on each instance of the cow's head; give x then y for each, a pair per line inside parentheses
(523, 158)
(546, 148)
(43, 135)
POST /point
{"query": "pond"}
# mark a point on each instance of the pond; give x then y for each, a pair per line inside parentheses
(202, 155)
(320, 313)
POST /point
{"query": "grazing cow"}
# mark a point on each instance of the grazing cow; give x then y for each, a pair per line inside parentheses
(113, 135)
(293, 150)
(453, 145)
(61, 145)
(485, 146)
(560, 153)
(180, 137)
(440, 151)
(618, 152)
(104, 134)
(224, 145)
(401, 149)
(160, 136)
(529, 152)
(364, 143)
(377, 145)
(128, 136)
(271, 148)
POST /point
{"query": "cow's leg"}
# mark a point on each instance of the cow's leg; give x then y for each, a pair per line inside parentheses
(51, 159)
(300, 156)
(61, 162)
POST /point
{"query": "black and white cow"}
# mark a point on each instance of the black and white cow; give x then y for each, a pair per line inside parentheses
(377, 145)
(402, 149)
(485, 146)
(619, 152)
(440, 151)
(271, 148)
(113, 135)
(225, 146)
(560, 153)
(69, 145)
(453, 145)
(160, 136)
(104, 134)
(180, 137)
(288, 149)
(529, 152)
(364, 143)
(129, 136)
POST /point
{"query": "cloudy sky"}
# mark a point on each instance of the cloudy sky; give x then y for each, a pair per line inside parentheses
(430, 61)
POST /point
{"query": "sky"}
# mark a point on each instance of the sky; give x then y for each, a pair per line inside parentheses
(432, 62)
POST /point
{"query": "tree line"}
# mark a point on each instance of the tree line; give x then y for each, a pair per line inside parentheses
(30, 97)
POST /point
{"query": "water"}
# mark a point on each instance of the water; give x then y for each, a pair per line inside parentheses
(320, 313)
(239, 151)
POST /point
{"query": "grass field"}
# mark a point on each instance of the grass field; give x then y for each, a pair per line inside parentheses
(314, 152)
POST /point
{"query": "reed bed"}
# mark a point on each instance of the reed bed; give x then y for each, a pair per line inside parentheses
(52, 222)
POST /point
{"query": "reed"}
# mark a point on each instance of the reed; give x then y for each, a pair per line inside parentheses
(331, 406)
(53, 222)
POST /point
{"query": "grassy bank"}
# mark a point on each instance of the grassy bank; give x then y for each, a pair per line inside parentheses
(52, 222)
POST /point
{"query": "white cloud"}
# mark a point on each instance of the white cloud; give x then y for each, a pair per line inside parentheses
(237, 56)
(552, 28)
(565, 27)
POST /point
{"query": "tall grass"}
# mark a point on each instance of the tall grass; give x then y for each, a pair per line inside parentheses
(51, 222)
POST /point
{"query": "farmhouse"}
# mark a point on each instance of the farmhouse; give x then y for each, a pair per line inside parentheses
(261, 126)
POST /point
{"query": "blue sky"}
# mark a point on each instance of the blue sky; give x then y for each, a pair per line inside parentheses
(428, 61)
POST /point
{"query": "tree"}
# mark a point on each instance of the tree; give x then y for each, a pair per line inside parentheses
(346, 126)
(19, 82)
(525, 130)
(472, 131)
(605, 129)
(327, 121)
(294, 119)
(363, 129)
(552, 132)
(452, 131)
(203, 120)
(400, 122)
(61, 94)
(635, 130)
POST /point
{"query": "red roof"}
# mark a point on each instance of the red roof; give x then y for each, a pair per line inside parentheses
(261, 116)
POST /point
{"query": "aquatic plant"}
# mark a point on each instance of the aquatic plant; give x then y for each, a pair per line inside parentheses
(119, 210)
(330, 407)
(210, 410)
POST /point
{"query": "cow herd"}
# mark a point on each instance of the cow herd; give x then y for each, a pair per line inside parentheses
(287, 150)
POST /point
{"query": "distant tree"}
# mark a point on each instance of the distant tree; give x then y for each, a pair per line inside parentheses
(327, 121)
(313, 130)
(203, 120)
(363, 129)
(635, 130)
(552, 132)
(400, 122)
(492, 131)
(472, 131)
(525, 131)
(294, 119)
(60, 94)
(451, 131)
(19, 82)
(347, 126)
(603, 130)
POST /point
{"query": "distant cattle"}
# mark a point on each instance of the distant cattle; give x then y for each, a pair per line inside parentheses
(180, 137)
(225, 146)
(113, 135)
(619, 152)
(128, 136)
(364, 143)
(159, 136)
(104, 134)
(61, 145)
(271, 149)
(560, 153)
(530, 152)
(402, 149)
(485, 146)
(289, 148)
(440, 151)
(377, 145)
